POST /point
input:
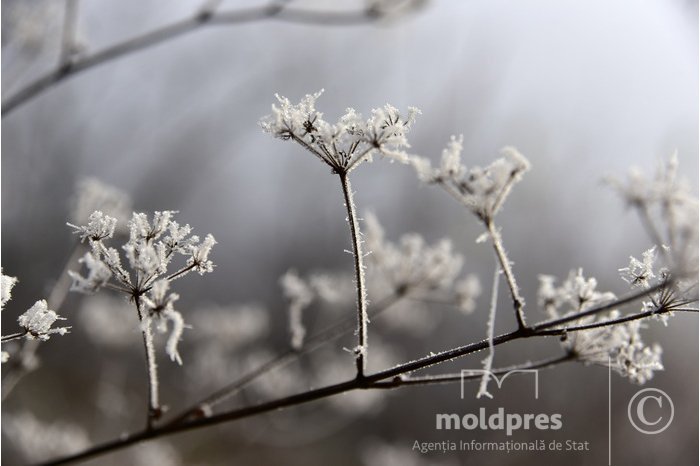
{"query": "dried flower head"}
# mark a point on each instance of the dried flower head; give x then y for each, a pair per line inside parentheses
(619, 346)
(482, 189)
(6, 285)
(38, 321)
(411, 264)
(346, 143)
(150, 250)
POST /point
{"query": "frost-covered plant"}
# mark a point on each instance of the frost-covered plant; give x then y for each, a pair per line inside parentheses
(37, 322)
(348, 142)
(343, 146)
(150, 250)
(482, 190)
(411, 264)
(667, 197)
(589, 323)
(612, 340)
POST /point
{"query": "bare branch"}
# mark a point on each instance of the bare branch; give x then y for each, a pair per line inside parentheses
(173, 30)
(367, 382)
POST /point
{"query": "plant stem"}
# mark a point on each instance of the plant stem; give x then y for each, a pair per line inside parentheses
(154, 411)
(611, 322)
(518, 301)
(361, 350)
(458, 377)
(14, 336)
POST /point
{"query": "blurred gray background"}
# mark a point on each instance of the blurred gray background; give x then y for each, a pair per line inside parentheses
(583, 89)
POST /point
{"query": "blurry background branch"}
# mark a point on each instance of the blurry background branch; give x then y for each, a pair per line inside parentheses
(71, 64)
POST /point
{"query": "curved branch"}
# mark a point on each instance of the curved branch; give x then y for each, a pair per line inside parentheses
(368, 382)
(279, 12)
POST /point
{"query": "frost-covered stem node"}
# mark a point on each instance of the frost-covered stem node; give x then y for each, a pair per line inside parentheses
(361, 350)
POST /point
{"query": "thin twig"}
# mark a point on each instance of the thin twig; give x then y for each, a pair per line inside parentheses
(601, 308)
(13, 336)
(490, 328)
(518, 301)
(458, 377)
(613, 322)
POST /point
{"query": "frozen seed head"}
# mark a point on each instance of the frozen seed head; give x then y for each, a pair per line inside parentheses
(199, 255)
(577, 293)
(98, 274)
(38, 321)
(412, 264)
(152, 246)
(349, 141)
(482, 189)
(619, 347)
(6, 285)
(99, 226)
(639, 273)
